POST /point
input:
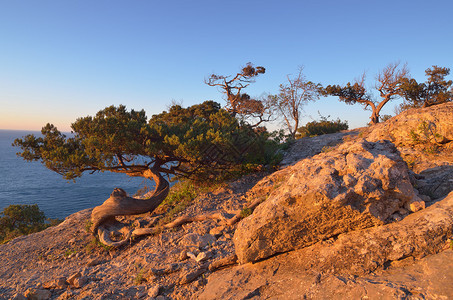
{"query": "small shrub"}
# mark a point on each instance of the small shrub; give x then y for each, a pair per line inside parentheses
(426, 136)
(384, 118)
(22, 219)
(139, 278)
(326, 149)
(181, 195)
(88, 225)
(246, 212)
(95, 244)
(324, 126)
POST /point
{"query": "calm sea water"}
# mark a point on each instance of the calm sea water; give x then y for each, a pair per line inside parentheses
(23, 182)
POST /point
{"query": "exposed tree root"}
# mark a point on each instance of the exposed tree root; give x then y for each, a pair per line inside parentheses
(119, 204)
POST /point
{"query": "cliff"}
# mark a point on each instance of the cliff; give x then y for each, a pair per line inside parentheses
(357, 214)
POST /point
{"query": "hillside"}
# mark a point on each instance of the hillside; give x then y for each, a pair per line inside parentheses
(360, 214)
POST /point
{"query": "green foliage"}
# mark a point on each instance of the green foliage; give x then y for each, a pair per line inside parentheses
(201, 141)
(426, 136)
(349, 94)
(96, 245)
(181, 195)
(140, 277)
(17, 220)
(435, 90)
(324, 126)
(240, 104)
(384, 118)
(246, 212)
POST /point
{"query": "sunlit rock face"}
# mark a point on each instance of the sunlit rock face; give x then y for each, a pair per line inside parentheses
(358, 185)
(431, 124)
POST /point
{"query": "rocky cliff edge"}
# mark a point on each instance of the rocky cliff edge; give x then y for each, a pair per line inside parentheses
(363, 214)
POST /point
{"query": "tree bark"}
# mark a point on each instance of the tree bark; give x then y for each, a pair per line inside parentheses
(119, 204)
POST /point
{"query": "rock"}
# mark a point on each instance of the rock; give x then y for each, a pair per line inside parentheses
(71, 278)
(153, 292)
(189, 276)
(202, 256)
(37, 294)
(94, 262)
(196, 240)
(400, 130)
(358, 185)
(223, 262)
(436, 182)
(183, 255)
(80, 281)
(217, 231)
(309, 146)
(358, 264)
(77, 280)
(191, 255)
(58, 283)
(68, 294)
(19, 296)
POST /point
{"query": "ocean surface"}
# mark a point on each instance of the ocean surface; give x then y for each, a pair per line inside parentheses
(23, 182)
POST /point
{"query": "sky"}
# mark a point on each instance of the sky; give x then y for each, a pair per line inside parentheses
(60, 60)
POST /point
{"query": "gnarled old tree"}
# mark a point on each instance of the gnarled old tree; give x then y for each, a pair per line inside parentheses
(196, 142)
(436, 90)
(388, 84)
(240, 104)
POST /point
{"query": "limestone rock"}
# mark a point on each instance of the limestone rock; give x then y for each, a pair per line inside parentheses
(196, 240)
(80, 282)
(358, 185)
(436, 182)
(399, 260)
(37, 294)
(154, 291)
(19, 296)
(58, 283)
(71, 278)
(400, 129)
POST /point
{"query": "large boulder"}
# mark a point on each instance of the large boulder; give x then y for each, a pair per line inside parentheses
(358, 185)
(424, 137)
(432, 124)
(410, 259)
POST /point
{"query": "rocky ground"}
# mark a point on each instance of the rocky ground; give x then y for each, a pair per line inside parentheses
(348, 215)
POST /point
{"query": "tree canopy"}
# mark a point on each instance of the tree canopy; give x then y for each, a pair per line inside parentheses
(435, 90)
(197, 141)
(240, 104)
(388, 84)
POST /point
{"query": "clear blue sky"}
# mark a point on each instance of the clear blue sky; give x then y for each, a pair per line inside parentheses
(60, 60)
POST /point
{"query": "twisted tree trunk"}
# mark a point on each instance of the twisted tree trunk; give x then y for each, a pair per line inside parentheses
(119, 204)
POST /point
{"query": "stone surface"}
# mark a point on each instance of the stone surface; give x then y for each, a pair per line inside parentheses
(196, 240)
(408, 259)
(58, 283)
(358, 185)
(400, 129)
(154, 291)
(37, 294)
(436, 182)
(411, 258)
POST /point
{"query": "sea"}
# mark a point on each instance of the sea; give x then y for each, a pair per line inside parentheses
(23, 182)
